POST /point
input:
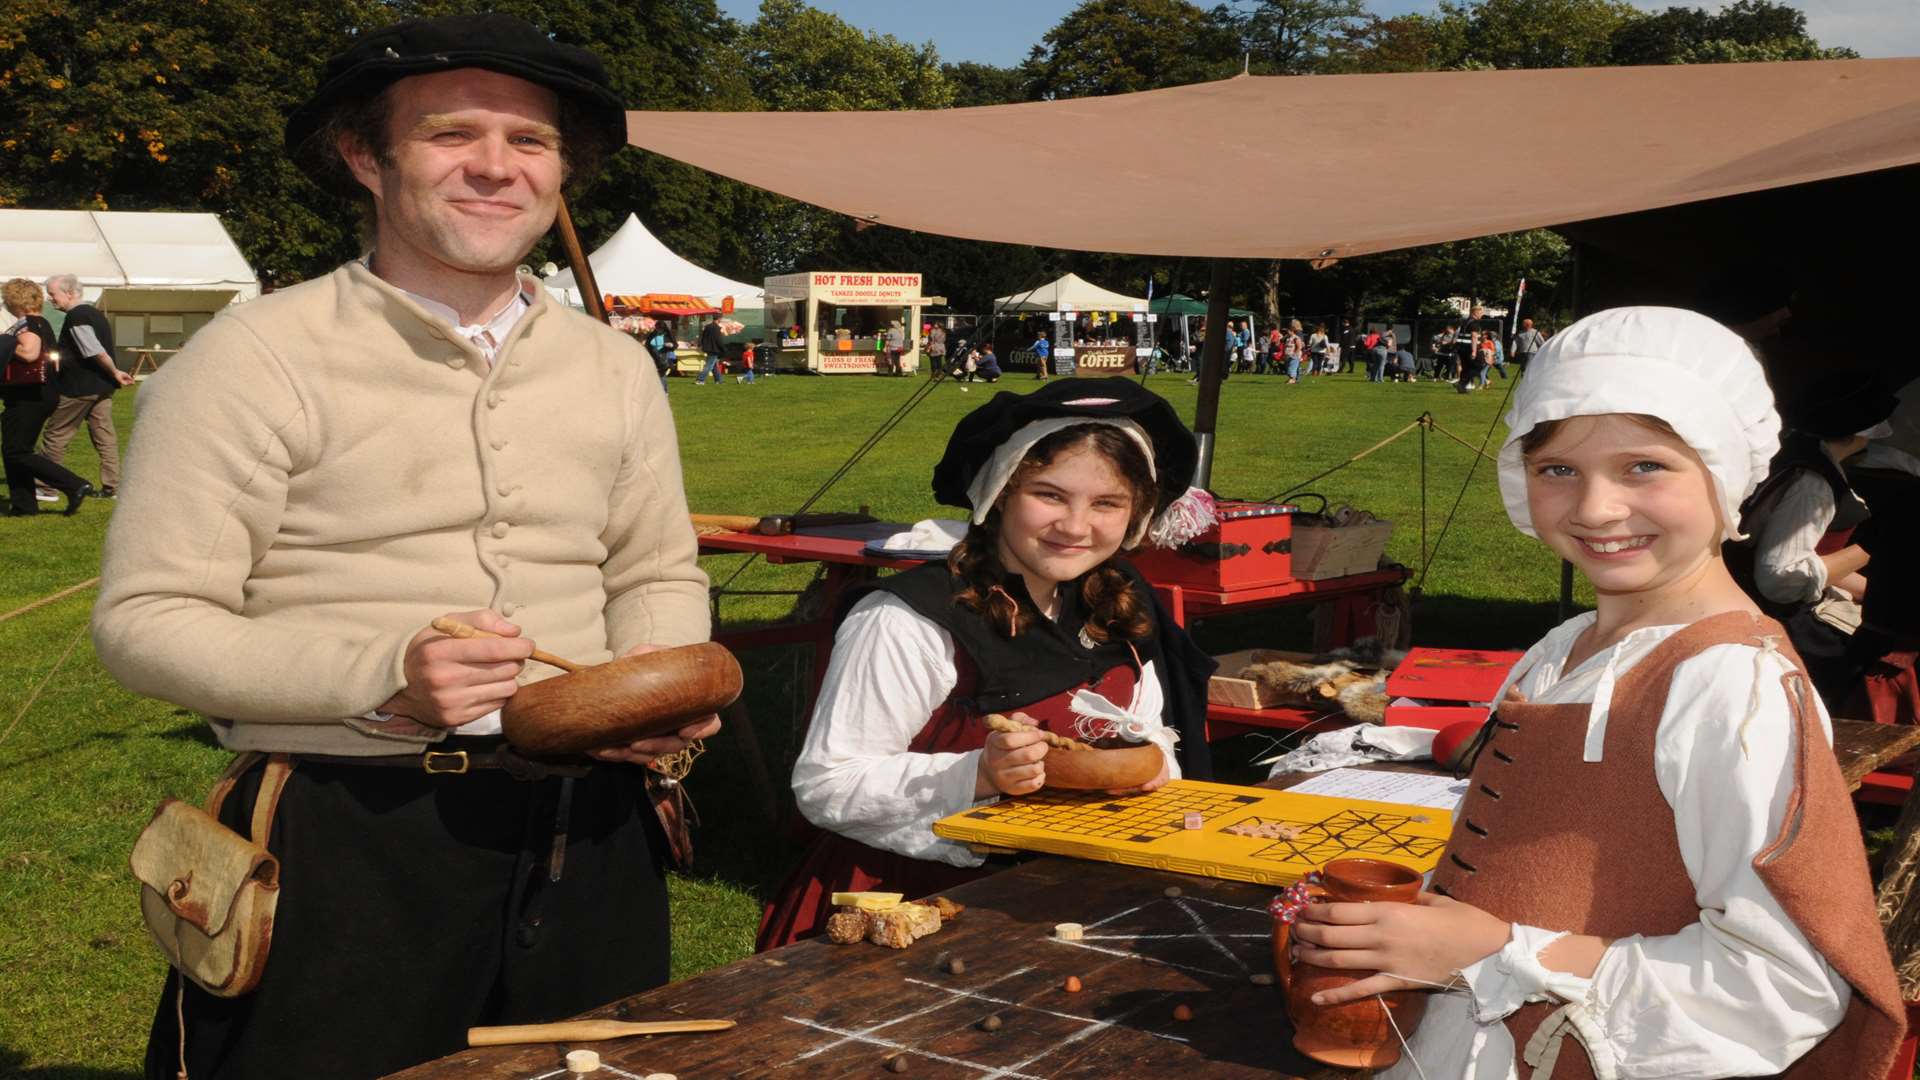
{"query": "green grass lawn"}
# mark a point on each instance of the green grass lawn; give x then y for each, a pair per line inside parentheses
(83, 766)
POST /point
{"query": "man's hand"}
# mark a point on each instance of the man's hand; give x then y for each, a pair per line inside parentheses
(122, 378)
(455, 681)
(1427, 942)
(1013, 762)
(644, 751)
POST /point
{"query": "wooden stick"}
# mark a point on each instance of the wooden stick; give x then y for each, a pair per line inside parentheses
(582, 268)
(730, 522)
(456, 628)
(1007, 724)
(586, 1031)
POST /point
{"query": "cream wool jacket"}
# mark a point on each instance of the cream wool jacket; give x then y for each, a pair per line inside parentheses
(324, 470)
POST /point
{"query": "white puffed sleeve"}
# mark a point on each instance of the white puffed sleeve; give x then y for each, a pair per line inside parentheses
(1786, 568)
(855, 776)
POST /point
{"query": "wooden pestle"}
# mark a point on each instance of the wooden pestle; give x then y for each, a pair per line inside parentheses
(456, 628)
(567, 1031)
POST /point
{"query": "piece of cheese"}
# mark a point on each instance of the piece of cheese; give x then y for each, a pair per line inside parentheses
(868, 901)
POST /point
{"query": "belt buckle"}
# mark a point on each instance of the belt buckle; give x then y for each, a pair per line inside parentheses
(455, 763)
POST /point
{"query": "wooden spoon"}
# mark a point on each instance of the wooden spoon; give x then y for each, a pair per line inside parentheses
(458, 629)
(586, 1031)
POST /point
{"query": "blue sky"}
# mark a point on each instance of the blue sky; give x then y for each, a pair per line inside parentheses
(1001, 31)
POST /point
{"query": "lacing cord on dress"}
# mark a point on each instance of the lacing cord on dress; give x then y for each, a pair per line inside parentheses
(1543, 1049)
(1769, 645)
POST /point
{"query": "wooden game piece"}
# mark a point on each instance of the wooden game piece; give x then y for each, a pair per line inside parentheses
(1172, 892)
(1260, 978)
(991, 1023)
(956, 966)
(1183, 1012)
(1068, 931)
(1193, 819)
(1071, 985)
(846, 927)
(897, 1063)
(581, 1062)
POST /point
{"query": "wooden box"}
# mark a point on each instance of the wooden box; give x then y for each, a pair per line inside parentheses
(1320, 552)
(1228, 688)
(1251, 547)
(1454, 682)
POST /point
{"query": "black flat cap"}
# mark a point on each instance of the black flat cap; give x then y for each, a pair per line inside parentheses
(980, 432)
(493, 42)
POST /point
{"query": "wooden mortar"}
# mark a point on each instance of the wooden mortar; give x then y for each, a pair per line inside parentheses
(612, 704)
(1072, 765)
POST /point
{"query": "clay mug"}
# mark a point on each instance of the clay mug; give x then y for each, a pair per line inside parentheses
(1358, 1034)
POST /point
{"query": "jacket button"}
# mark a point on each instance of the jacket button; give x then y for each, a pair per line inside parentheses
(493, 399)
(499, 530)
(456, 362)
(498, 444)
(509, 607)
(503, 561)
(506, 489)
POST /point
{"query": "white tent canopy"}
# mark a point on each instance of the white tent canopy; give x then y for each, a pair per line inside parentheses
(634, 262)
(1070, 293)
(108, 249)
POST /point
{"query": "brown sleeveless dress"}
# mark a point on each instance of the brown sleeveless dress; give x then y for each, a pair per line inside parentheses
(1547, 839)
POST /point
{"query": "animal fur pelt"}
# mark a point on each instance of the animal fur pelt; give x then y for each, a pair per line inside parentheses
(1365, 701)
(1284, 677)
(1369, 652)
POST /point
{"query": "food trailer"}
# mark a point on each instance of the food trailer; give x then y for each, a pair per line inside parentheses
(833, 322)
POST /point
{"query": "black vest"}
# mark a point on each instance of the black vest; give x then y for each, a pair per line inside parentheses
(80, 375)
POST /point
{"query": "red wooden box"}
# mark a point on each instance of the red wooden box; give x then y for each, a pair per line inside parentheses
(1453, 680)
(1251, 547)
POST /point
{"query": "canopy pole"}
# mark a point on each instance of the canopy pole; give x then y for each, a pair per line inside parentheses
(1213, 369)
(582, 269)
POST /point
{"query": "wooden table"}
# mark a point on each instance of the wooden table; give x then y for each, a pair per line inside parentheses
(147, 359)
(815, 1009)
(1865, 749)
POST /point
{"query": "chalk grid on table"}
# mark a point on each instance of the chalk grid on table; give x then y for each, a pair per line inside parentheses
(1193, 918)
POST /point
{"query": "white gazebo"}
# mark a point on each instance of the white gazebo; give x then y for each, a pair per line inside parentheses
(159, 275)
(633, 262)
(1069, 293)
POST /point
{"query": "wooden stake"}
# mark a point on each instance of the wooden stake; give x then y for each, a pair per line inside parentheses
(582, 268)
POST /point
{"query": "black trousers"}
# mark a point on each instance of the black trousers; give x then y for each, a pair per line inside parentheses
(20, 426)
(413, 907)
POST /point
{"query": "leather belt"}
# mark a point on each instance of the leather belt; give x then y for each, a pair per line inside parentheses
(460, 762)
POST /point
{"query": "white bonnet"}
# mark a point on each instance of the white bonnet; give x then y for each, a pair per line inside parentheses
(1695, 374)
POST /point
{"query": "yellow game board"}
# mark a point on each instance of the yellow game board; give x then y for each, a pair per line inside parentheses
(1149, 830)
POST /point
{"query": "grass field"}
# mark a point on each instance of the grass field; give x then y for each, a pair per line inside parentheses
(82, 762)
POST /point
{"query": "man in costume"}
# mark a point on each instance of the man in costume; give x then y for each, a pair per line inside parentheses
(324, 471)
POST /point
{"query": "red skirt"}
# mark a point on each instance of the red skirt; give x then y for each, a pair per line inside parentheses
(832, 863)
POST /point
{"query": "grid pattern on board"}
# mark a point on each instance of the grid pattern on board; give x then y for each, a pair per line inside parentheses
(1138, 819)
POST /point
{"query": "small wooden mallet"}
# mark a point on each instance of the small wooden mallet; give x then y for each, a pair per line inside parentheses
(458, 629)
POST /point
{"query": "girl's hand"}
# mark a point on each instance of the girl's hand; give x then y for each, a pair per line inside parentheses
(1428, 942)
(1013, 762)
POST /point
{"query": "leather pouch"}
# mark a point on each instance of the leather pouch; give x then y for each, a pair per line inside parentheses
(207, 893)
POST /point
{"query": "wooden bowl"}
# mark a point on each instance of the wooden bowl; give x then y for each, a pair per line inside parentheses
(1103, 770)
(613, 704)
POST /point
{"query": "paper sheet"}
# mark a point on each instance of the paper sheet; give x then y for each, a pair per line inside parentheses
(1412, 789)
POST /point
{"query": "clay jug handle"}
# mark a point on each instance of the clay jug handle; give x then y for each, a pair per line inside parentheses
(1283, 942)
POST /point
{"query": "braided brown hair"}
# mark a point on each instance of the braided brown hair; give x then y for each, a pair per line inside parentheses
(1113, 611)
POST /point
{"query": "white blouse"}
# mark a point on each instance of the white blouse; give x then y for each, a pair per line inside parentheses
(891, 669)
(1739, 993)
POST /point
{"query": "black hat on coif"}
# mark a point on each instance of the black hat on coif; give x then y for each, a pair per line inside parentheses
(490, 41)
(983, 430)
(1845, 406)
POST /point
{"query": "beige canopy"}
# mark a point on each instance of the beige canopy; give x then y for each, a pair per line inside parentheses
(1322, 166)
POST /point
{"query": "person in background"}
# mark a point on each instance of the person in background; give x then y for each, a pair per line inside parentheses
(29, 337)
(88, 377)
(936, 349)
(1498, 360)
(896, 348)
(660, 346)
(1444, 354)
(1525, 343)
(713, 345)
(1404, 366)
(747, 357)
(1377, 359)
(1042, 357)
(986, 366)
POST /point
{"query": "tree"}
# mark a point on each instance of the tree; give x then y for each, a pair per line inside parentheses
(1119, 46)
(1291, 37)
(1747, 30)
(983, 84)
